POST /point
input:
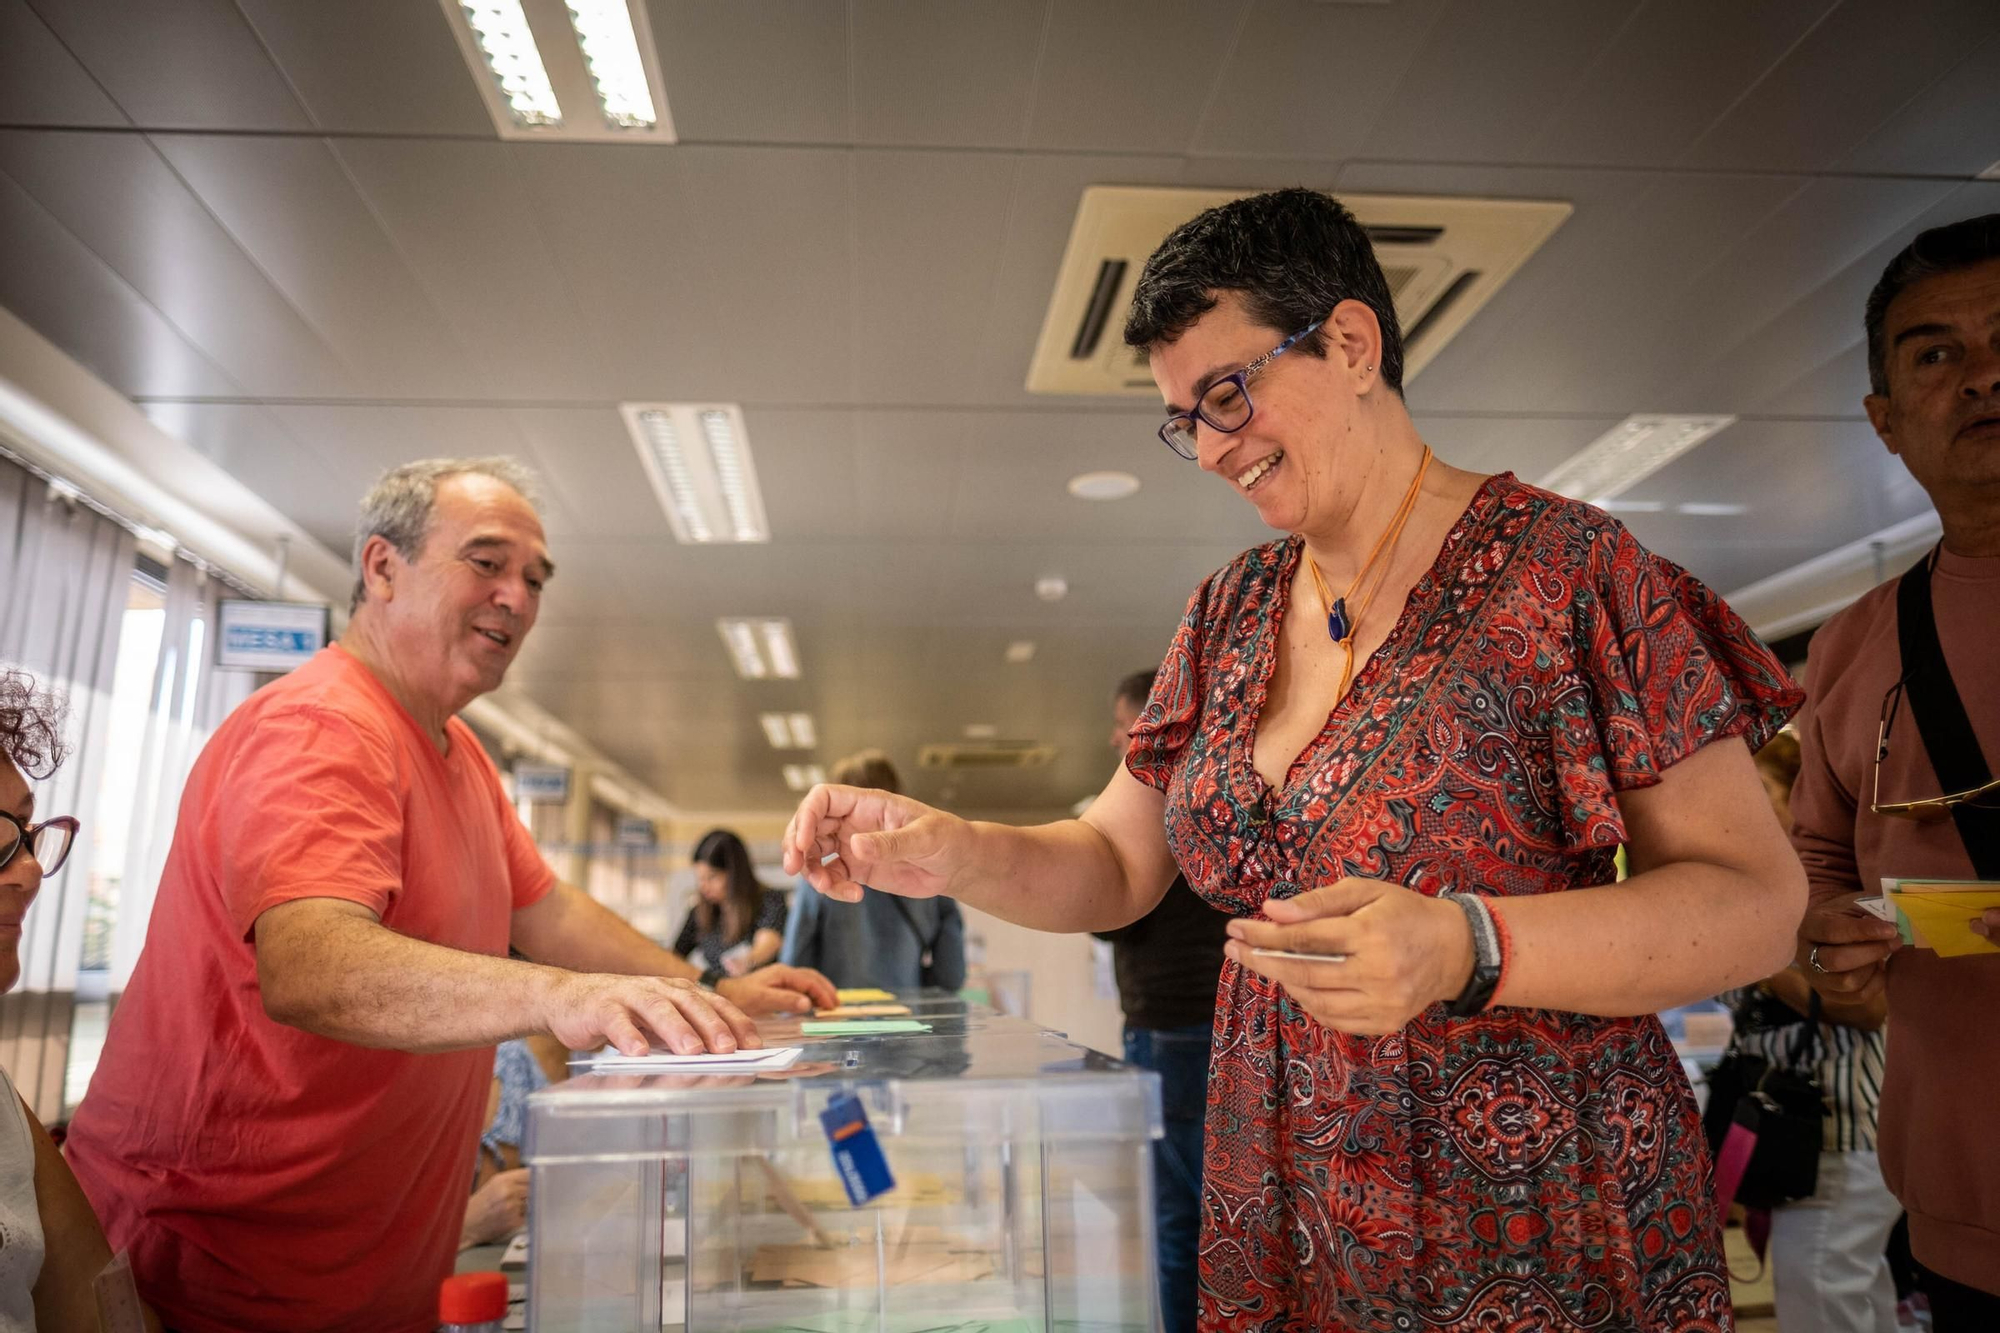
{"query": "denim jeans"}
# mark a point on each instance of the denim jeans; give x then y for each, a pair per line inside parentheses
(1180, 1057)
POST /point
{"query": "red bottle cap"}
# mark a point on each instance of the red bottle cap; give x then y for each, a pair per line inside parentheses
(472, 1298)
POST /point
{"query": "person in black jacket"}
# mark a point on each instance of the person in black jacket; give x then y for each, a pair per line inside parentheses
(1167, 963)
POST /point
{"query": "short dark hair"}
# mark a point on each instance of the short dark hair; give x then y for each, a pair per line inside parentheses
(31, 721)
(1136, 688)
(869, 768)
(1293, 254)
(1945, 249)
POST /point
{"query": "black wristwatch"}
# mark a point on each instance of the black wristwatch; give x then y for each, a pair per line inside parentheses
(712, 976)
(1485, 979)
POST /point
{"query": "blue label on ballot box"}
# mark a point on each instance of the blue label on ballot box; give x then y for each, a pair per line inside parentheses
(856, 1155)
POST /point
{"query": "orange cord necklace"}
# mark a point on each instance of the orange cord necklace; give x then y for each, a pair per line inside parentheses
(1340, 626)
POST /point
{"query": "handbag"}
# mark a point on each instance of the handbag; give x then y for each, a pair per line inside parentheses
(1765, 1122)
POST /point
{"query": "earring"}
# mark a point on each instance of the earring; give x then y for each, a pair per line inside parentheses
(1371, 370)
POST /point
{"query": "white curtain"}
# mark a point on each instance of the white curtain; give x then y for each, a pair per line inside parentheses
(65, 575)
(190, 697)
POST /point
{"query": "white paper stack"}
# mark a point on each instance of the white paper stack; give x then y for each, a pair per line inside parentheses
(666, 1062)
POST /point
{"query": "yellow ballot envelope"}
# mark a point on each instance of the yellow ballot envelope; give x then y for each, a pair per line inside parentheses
(1938, 914)
(863, 995)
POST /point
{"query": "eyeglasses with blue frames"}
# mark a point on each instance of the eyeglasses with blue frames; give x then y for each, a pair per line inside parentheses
(1224, 405)
(48, 842)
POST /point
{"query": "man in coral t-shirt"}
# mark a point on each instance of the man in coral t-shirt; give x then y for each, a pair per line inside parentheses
(281, 1127)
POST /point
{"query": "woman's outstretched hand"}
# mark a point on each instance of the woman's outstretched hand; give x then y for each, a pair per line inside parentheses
(842, 838)
(1400, 951)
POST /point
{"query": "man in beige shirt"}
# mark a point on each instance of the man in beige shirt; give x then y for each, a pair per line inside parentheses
(1863, 810)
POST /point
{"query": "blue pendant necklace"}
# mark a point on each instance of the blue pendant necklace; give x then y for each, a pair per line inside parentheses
(1339, 625)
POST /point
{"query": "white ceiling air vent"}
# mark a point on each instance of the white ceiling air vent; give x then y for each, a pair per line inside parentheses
(985, 755)
(1444, 258)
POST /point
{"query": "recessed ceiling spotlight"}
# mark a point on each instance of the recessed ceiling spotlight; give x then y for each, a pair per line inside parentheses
(1103, 485)
(1021, 650)
(1052, 588)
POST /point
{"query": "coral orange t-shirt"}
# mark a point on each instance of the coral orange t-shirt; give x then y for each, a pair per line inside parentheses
(261, 1176)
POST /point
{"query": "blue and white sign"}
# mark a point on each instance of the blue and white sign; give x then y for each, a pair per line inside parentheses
(268, 636)
(541, 782)
(636, 831)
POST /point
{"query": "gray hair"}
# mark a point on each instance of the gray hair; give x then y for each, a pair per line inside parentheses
(398, 507)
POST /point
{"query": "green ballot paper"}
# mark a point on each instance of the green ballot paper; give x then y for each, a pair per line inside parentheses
(859, 1027)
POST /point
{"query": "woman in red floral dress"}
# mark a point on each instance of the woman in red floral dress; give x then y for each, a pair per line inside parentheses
(1456, 1111)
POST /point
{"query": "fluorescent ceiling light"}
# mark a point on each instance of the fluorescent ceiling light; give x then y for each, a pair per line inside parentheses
(611, 54)
(1628, 453)
(565, 69)
(1705, 509)
(789, 731)
(1021, 650)
(1611, 506)
(799, 777)
(980, 731)
(760, 647)
(513, 59)
(697, 457)
(1052, 587)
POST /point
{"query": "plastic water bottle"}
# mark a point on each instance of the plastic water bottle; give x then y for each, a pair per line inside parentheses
(472, 1303)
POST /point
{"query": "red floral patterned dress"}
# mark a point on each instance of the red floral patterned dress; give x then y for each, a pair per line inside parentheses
(1522, 1169)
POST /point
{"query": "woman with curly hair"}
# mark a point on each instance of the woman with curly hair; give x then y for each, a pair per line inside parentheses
(51, 1247)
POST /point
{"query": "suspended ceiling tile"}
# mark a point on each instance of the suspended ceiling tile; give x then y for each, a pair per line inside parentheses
(178, 64)
(1667, 76)
(755, 71)
(1491, 75)
(1583, 328)
(1840, 485)
(698, 272)
(1311, 80)
(1845, 78)
(253, 446)
(806, 469)
(464, 223)
(1130, 76)
(41, 83)
(585, 456)
(1018, 465)
(69, 296)
(928, 229)
(293, 209)
(118, 197)
(1815, 256)
(961, 74)
(372, 66)
(1529, 447)
(1951, 128)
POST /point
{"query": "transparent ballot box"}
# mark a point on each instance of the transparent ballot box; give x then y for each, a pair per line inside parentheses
(1022, 1196)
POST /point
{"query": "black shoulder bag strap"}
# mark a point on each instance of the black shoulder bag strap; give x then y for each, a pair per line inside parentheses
(1954, 751)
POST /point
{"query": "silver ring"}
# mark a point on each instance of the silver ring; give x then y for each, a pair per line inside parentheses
(1812, 961)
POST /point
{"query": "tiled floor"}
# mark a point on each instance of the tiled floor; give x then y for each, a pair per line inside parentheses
(1752, 1299)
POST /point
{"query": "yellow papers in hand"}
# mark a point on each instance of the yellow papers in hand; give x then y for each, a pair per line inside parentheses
(864, 1011)
(863, 995)
(1938, 913)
